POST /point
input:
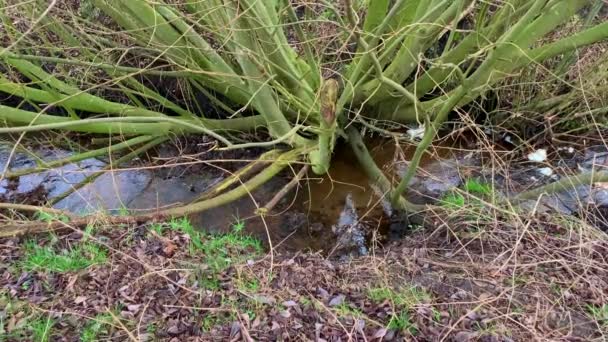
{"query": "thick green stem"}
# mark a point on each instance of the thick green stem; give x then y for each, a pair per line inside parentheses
(152, 71)
(375, 175)
(81, 156)
(564, 184)
(243, 190)
(321, 158)
(240, 175)
(510, 57)
(313, 76)
(408, 57)
(427, 138)
(165, 126)
(109, 121)
(362, 62)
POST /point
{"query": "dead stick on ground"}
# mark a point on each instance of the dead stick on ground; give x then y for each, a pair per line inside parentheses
(34, 208)
(283, 192)
(36, 227)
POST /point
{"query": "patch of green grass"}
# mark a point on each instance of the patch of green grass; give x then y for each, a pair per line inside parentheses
(49, 217)
(305, 301)
(599, 313)
(41, 329)
(436, 315)
(123, 211)
(219, 250)
(248, 285)
(183, 225)
(407, 297)
(238, 226)
(453, 200)
(210, 320)
(402, 322)
(88, 10)
(96, 326)
(209, 282)
(158, 228)
(89, 231)
(474, 186)
(151, 329)
(223, 250)
(347, 310)
(46, 258)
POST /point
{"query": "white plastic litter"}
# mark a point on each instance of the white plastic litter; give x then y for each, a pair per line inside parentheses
(538, 156)
(546, 171)
(416, 133)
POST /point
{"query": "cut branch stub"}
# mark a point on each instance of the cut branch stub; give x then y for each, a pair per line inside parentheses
(321, 158)
(329, 95)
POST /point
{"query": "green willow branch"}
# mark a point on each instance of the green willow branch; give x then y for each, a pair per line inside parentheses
(133, 71)
(80, 156)
(321, 158)
(244, 189)
(240, 174)
(104, 121)
(375, 175)
(563, 184)
(19, 116)
(429, 134)
(34, 208)
(289, 135)
(507, 57)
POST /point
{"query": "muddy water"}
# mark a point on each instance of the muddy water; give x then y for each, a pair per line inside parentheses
(336, 213)
(324, 197)
(312, 217)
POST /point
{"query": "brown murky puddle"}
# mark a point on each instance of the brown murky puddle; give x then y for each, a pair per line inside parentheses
(309, 212)
(302, 221)
(324, 197)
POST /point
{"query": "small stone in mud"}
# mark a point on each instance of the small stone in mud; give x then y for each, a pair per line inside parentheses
(349, 231)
